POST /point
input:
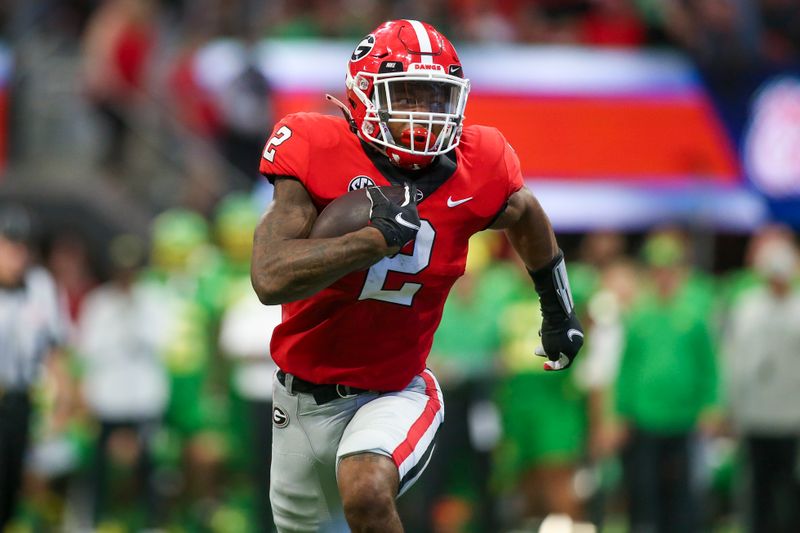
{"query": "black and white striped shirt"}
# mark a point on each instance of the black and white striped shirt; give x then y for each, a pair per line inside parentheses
(32, 322)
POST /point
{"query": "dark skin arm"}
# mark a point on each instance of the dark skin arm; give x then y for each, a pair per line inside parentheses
(287, 266)
(528, 229)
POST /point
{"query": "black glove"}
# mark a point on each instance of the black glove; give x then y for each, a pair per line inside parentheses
(561, 333)
(398, 223)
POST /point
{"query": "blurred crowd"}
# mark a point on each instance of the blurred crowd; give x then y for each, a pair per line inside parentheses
(755, 28)
(681, 414)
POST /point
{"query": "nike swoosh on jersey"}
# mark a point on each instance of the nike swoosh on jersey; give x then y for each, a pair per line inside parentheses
(573, 331)
(453, 203)
(403, 222)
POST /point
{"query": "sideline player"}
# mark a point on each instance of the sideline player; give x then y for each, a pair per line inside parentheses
(355, 410)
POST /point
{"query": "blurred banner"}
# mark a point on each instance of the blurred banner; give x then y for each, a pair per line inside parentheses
(6, 63)
(771, 146)
(607, 138)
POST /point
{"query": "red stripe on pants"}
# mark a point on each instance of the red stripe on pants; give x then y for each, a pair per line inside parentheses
(421, 425)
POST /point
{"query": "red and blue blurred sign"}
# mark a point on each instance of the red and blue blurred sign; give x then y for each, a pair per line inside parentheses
(606, 138)
(771, 147)
(595, 114)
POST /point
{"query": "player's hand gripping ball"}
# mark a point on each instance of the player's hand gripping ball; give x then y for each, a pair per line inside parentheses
(377, 206)
(398, 221)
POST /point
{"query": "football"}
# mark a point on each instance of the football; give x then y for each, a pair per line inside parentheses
(349, 212)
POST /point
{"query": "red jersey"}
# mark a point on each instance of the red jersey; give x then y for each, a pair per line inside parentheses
(373, 329)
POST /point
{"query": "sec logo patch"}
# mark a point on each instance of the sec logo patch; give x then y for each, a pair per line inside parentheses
(279, 417)
(360, 182)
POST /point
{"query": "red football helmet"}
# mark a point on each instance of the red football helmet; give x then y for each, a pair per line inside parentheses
(407, 92)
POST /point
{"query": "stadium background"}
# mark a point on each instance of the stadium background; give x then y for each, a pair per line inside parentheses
(132, 129)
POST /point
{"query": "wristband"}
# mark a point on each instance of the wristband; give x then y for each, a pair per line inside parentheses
(552, 285)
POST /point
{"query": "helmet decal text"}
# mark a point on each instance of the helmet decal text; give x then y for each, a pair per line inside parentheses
(425, 67)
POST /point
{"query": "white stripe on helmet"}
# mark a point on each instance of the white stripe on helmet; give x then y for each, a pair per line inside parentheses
(424, 41)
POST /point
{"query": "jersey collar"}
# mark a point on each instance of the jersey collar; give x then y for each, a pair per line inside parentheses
(427, 180)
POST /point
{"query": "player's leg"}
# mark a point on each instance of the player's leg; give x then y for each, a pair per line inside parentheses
(303, 490)
(545, 447)
(640, 471)
(383, 451)
(678, 511)
(15, 412)
(368, 487)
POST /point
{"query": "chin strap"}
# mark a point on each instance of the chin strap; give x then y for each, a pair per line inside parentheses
(346, 112)
(349, 118)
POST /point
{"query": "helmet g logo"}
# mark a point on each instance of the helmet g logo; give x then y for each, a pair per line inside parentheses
(363, 48)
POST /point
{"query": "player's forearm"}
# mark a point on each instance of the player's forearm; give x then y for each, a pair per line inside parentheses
(298, 268)
(532, 236)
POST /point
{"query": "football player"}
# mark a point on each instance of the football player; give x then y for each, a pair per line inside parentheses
(355, 409)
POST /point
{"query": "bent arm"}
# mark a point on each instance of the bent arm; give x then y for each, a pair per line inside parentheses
(287, 266)
(528, 229)
(531, 235)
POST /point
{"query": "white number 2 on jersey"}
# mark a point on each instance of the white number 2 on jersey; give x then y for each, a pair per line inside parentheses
(280, 136)
(406, 264)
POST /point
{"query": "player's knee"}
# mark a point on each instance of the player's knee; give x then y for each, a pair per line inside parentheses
(367, 494)
(367, 503)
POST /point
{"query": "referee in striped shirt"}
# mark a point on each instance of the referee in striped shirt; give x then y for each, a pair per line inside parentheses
(32, 328)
